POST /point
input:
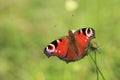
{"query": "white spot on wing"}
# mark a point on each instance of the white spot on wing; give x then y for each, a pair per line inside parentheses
(73, 31)
(58, 41)
(59, 51)
(87, 37)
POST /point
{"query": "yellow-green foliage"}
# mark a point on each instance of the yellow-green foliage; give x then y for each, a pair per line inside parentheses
(27, 26)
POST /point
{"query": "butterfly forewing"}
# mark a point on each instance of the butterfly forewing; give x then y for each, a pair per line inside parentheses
(59, 48)
(82, 42)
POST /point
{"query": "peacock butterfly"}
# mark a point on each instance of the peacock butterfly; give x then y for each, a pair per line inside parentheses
(72, 47)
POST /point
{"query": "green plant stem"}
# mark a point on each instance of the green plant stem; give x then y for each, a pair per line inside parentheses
(98, 70)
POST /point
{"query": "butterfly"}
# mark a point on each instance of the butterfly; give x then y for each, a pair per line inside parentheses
(72, 47)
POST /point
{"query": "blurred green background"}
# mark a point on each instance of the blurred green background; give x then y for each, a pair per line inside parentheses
(27, 26)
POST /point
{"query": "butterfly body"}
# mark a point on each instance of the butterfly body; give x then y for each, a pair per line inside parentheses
(72, 47)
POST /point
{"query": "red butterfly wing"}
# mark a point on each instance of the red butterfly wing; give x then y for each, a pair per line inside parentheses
(83, 42)
(57, 48)
(61, 48)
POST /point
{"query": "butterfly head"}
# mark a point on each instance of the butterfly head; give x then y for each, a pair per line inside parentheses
(89, 32)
